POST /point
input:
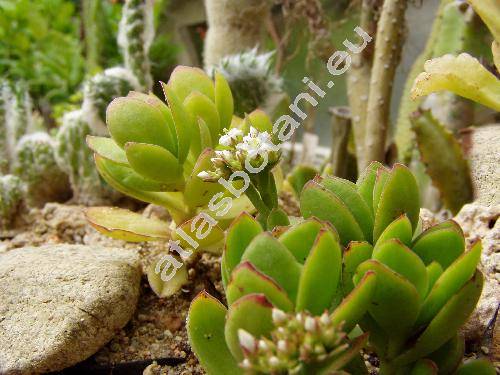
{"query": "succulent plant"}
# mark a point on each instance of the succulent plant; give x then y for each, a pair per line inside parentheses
(267, 277)
(5, 94)
(35, 164)
(76, 160)
(135, 35)
(100, 90)
(251, 79)
(427, 284)
(11, 194)
(299, 176)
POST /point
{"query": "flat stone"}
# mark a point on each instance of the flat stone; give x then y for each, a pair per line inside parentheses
(59, 304)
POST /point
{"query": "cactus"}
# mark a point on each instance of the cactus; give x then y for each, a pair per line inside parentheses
(266, 278)
(135, 35)
(75, 159)
(444, 161)
(5, 94)
(251, 79)
(11, 194)
(100, 90)
(35, 164)
(427, 284)
(234, 27)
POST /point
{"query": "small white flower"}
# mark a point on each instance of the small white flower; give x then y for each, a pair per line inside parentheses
(246, 340)
(263, 345)
(282, 345)
(278, 316)
(325, 319)
(274, 361)
(246, 364)
(204, 175)
(310, 324)
(230, 137)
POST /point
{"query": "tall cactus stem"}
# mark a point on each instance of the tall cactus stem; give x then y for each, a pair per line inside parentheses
(341, 128)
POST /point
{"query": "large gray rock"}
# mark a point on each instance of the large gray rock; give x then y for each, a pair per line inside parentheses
(59, 304)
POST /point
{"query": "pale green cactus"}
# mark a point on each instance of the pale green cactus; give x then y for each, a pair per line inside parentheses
(35, 164)
(100, 90)
(136, 33)
(251, 78)
(11, 194)
(76, 160)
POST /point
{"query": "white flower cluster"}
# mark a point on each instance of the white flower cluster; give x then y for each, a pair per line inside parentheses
(255, 148)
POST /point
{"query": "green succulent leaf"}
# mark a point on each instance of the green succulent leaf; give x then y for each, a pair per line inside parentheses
(477, 366)
(300, 175)
(356, 303)
(366, 182)
(318, 201)
(336, 363)
(164, 289)
(277, 217)
(355, 254)
(399, 229)
(347, 192)
(399, 196)
(223, 101)
(126, 225)
(154, 162)
(108, 149)
(132, 120)
(442, 243)
(246, 279)
(449, 355)
(273, 259)
(300, 238)
(205, 328)
(198, 193)
(185, 79)
(434, 272)
(184, 124)
(260, 121)
(212, 242)
(445, 324)
(395, 304)
(424, 367)
(452, 279)
(378, 187)
(253, 313)
(322, 267)
(239, 235)
(405, 262)
(199, 106)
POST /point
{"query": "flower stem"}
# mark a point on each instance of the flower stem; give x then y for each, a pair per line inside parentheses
(254, 196)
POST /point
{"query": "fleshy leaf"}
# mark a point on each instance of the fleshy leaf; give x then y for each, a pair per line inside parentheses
(300, 175)
(223, 101)
(200, 106)
(366, 182)
(445, 324)
(239, 235)
(133, 120)
(442, 243)
(449, 355)
(205, 328)
(489, 11)
(346, 191)
(253, 313)
(274, 260)
(378, 187)
(322, 267)
(402, 260)
(154, 162)
(196, 230)
(424, 367)
(126, 225)
(261, 121)
(355, 254)
(356, 303)
(400, 196)
(463, 75)
(479, 366)
(443, 159)
(335, 364)
(277, 217)
(317, 201)
(399, 229)
(107, 148)
(434, 272)
(246, 279)
(164, 289)
(452, 279)
(185, 79)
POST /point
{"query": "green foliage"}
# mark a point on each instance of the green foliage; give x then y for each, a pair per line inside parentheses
(299, 176)
(11, 194)
(40, 45)
(267, 278)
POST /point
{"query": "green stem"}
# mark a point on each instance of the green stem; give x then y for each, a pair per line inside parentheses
(254, 196)
(387, 368)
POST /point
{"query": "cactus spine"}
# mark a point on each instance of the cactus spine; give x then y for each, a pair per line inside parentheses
(35, 164)
(136, 32)
(75, 158)
(10, 199)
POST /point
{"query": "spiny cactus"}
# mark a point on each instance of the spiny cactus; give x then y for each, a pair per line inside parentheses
(11, 194)
(266, 276)
(251, 79)
(136, 33)
(100, 90)
(35, 164)
(76, 160)
(427, 284)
